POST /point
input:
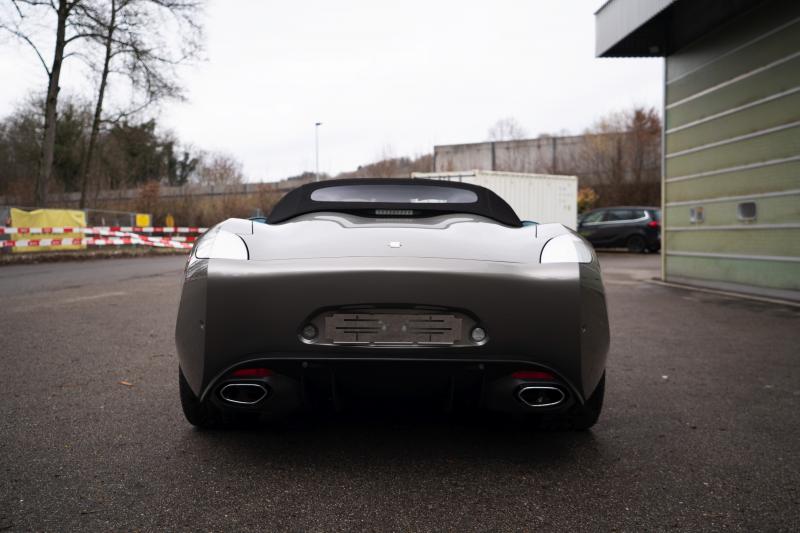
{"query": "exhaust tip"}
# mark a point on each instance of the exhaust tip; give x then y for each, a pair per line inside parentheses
(541, 396)
(243, 393)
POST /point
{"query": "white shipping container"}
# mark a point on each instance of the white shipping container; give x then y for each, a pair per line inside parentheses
(541, 198)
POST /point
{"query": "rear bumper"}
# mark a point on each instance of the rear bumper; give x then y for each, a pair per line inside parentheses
(653, 238)
(334, 384)
(548, 316)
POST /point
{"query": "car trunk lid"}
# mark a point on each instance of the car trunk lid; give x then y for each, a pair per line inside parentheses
(443, 237)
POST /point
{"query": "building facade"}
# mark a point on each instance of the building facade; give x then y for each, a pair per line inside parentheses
(544, 155)
(614, 165)
(731, 164)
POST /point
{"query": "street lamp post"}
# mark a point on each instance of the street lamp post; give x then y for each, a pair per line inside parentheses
(316, 146)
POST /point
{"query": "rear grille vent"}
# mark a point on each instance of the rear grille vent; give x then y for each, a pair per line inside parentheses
(376, 328)
(395, 212)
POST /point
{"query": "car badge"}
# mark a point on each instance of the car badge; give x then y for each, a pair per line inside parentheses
(395, 244)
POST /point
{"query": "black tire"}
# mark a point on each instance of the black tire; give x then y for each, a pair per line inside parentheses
(582, 417)
(636, 244)
(199, 414)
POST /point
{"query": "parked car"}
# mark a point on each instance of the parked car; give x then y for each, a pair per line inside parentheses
(636, 228)
(369, 287)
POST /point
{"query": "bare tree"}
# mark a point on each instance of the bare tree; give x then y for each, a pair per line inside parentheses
(644, 139)
(131, 34)
(507, 129)
(21, 22)
(218, 169)
(386, 164)
(623, 151)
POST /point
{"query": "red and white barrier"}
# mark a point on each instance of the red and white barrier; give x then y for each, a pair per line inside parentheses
(106, 233)
(107, 236)
(98, 230)
(114, 241)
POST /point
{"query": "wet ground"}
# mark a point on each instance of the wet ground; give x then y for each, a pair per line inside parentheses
(700, 429)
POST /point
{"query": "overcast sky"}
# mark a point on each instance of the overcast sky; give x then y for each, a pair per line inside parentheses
(383, 77)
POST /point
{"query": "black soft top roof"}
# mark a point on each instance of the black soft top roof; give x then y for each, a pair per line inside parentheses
(298, 201)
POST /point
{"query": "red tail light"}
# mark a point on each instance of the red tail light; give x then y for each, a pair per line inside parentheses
(533, 374)
(653, 224)
(252, 373)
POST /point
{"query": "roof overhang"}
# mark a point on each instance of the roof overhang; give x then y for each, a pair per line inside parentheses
(653, 28)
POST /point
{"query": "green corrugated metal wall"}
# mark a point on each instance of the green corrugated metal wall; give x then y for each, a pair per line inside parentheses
(733, 135)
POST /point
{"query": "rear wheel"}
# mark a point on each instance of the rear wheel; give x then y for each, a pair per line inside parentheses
(636, 244)
(200, 414)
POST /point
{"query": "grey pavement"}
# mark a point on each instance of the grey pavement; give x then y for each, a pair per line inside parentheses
(700, 430)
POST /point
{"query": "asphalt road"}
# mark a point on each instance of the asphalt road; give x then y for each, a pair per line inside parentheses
(701, 429)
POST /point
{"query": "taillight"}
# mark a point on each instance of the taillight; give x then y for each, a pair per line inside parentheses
(653, 224)
(251, 373)
(533, 374)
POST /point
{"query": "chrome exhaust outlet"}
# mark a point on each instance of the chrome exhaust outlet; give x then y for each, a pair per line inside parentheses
(541, 396)
(243, 393)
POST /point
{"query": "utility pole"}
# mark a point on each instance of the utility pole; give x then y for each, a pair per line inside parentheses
(316, 146)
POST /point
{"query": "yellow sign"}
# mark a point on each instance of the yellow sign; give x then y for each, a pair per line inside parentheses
(48, 219)
(143, 220)
(169, 221)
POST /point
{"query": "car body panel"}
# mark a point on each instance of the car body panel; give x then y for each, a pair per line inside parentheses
(553, 315)
(454, 237)
(235, 312)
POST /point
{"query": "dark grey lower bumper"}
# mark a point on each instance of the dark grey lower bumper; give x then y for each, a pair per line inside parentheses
(552, 316)
(333, 384)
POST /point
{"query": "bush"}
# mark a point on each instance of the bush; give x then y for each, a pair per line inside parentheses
(587, 199)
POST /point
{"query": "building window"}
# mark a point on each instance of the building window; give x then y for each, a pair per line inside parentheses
(696, 215)
(746, 211)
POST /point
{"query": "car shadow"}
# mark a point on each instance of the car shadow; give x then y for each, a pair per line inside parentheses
(371, 439)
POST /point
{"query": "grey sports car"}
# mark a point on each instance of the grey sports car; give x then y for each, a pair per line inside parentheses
(358, 289)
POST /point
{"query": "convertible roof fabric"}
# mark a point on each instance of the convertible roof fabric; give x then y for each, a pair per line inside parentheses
(298, 201)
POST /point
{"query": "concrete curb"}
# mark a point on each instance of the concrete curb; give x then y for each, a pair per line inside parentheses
(84, 255)
(729, 294)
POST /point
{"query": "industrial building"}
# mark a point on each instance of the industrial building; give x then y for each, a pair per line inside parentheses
(600, 161)
(731, 163)
(545, 154)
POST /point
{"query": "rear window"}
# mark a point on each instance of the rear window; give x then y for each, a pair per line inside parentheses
(394, 194)
(656, 214)
(622, 214)
(594, 216)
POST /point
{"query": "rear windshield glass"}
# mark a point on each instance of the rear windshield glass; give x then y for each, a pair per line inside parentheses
(622, 214)
(395, 194)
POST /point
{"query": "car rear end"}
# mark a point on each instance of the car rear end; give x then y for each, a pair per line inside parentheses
(363, 288)
(282, 331)
(652, 229)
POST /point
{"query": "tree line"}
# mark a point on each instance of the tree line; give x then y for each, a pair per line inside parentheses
(127, 154)
(57, 142)
(132, 48)
(617, 159)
